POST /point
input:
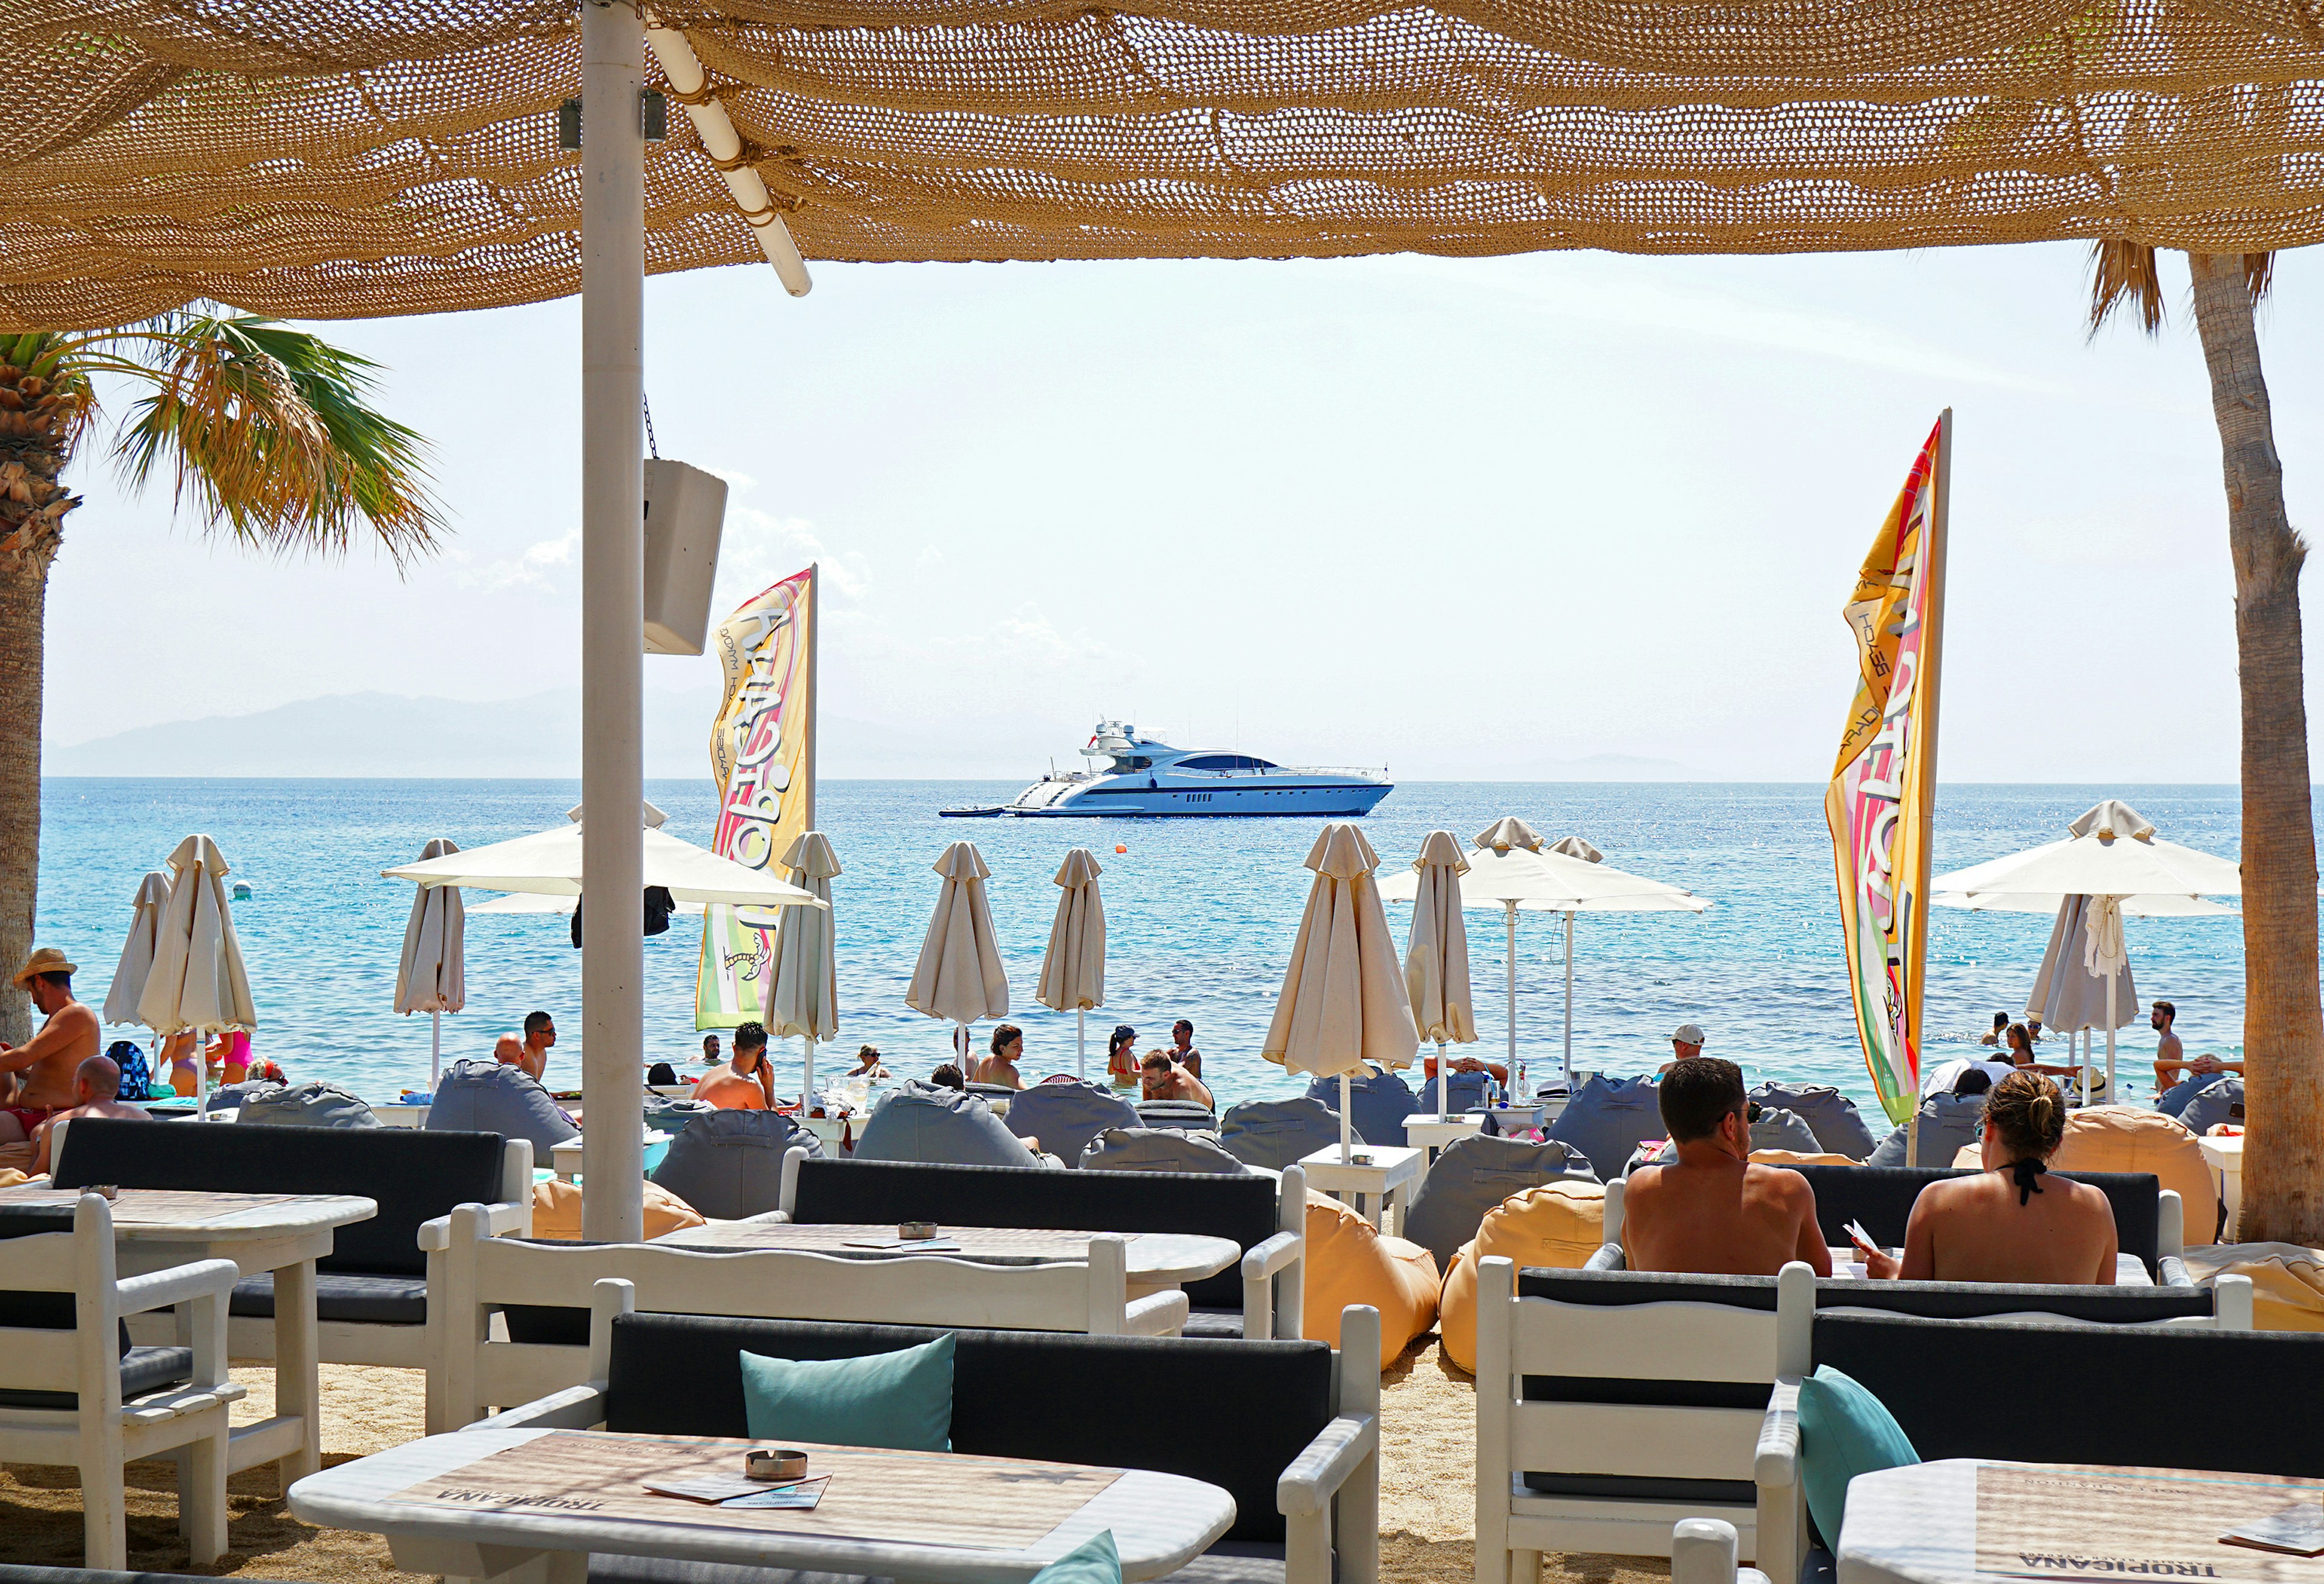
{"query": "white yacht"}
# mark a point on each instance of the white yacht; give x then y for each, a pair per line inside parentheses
(1133, 774)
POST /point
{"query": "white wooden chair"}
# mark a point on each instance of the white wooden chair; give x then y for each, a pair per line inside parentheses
(175, 1401)
(482, 1274)
(1623, 1469)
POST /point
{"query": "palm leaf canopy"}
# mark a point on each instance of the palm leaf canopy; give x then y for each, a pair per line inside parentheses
(326, 157)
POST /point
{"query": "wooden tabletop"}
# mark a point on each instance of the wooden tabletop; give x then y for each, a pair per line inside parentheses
(1966, 1521)
(933, 1517)
(186, 1214)
(1152, 1258)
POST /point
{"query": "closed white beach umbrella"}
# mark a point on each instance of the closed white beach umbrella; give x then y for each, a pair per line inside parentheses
(431, 976)
(2076, 988)
(804, 999)
(1072, 969)
(959, 977)
(1436, 953)
(198, 980)
(1343, 1001)
(138, 953)
(548, 863)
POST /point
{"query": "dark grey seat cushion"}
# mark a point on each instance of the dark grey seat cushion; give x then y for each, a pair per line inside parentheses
(343, 1296)
(1837, 1125)
(1159, 1149)
(1378, 1102)
(1018, 1395)
(667, 1114)
(1472, 1176)
(478, 1096)
(1945, 1122)
(1607, 1118)
(1881, 1198)
(1214, 1324)
(1278, 1133)
(2219, 1100)
(924, 1122)
(1780, 1129)
(143, 1371)
(1186, 1116)
(1064, 1117)
(729, 1165)
(315, 1103)
(412, 1176)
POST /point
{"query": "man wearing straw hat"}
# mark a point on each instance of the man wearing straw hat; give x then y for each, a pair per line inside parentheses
(47, 1060)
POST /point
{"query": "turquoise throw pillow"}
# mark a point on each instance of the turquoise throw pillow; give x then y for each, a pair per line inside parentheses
(1092, 1562)
(1844, 1432)
(902, 1400)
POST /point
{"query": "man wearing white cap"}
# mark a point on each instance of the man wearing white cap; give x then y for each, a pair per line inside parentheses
(1686, 1044)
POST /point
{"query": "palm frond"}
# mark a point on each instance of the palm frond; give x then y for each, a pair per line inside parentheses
(2259, 274)
(2123, 270)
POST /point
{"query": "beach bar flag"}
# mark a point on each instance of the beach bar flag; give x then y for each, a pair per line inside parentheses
(762, 762)
(1882, 788)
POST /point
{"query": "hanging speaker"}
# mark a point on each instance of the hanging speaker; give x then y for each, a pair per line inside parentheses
(685, 510)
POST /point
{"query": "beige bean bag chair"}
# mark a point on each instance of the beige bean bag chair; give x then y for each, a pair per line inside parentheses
(1558, 1224)
(1348, 1262)
(1796, 1157)
(2119, 1138)
(556, 1211)
(2287, 1281)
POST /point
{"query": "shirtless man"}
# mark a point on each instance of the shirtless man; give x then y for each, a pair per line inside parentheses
(1711, 1212)
(97, 1093)
(744, 1084)
(1686, 1044)
(1163, 1079)
(1182, 1046)
(2011, 1222)
(2172, 1066)
(539, 1034)
(48, 1059)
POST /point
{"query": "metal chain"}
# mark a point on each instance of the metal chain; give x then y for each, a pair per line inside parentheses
(652, 450)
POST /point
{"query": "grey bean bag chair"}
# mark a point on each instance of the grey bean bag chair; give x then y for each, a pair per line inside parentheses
(1278, 1133)
(481, 1096)
(1946, 1122)
(1185, 1115)
(228, 1097)
(1607, 1118)
(671, 1116)
(2219, 1100)
(1463, 1091)
(1472, 1176)
(1159, 1149)
(1380, 1100)
(918, 1121)
(1837, 1125)
(729, 1165)
(312, 1104)
(1064, 1117)
(2174, 1100)
(1778, 1130)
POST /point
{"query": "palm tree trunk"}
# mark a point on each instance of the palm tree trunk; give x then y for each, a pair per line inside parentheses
(2283, 1017)
(23, 601)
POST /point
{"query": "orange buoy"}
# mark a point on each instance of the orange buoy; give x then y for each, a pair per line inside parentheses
(1118, 847)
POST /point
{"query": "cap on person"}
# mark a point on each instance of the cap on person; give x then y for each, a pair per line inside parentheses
(44, 960)
(1687, 1034)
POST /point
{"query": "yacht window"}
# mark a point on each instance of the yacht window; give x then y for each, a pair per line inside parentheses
(1225, 762)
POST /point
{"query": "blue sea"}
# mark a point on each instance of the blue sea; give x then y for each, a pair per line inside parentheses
(1200, 916)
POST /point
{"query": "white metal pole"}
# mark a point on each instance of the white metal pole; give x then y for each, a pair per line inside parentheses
(1347, 1128)
(2111, 981)
(2084, 1065)
(1444, 1079)
(612, 618)
(806, 1084)
(1513, 988)
(1081, 1042)
(434, 1050)
(1569, 1004)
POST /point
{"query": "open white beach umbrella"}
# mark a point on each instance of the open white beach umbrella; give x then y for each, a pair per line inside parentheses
(959, 977)
(1437, 954)
(548, 863)
(431, 976)
(198, 980)
(1344, 1000)
(804, 999)
(1072, 969)
(138, 953)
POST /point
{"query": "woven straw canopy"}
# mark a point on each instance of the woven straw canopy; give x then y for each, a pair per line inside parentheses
(326, 157)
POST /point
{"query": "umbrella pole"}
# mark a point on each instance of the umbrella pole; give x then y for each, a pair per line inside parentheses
(434, 1050)
(1347, 1143)
(1442, 1080)
(201, 1080)
(806, 1084)
(2084, 1064)
(1569, 1005)
(1513, 988)
(2111, 992)
(1081, 1042)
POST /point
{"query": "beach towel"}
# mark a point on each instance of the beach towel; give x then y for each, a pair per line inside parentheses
(1278, 1133)
(1471, 1176)
(1839, 1126)
(1159, 1149)
(2287, 1281)
(729, 1165)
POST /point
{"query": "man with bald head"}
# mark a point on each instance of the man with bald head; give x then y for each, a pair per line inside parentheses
(96, 1091)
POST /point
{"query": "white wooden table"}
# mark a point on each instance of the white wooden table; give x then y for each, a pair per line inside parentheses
(1425, 1132)
(1379, 1188)
(2226, 1155)
(1155, 1260)
(1928, 1524)
(281, 1233)
(488, 1522)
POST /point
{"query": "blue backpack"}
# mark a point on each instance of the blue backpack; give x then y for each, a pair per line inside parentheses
(136, 1073)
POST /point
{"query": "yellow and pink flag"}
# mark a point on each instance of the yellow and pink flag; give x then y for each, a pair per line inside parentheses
(762, 760)
(1883, 786)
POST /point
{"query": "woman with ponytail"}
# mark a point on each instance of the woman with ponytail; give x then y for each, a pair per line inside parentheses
(2013, 1221)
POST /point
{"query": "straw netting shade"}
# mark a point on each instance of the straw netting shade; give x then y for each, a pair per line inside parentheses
(330, 158)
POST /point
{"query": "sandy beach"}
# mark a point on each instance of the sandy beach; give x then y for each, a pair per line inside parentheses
(1427, 1463)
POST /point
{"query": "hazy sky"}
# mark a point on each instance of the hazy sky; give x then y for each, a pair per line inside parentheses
(1460, 517)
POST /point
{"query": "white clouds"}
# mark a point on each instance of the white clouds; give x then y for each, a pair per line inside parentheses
(542, 566)
(930, 559)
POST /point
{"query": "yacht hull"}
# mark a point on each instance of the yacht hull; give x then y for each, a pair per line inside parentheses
(1143, 777)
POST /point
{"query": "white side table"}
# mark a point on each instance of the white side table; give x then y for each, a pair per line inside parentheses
(1423, 1131)
(2226, 1157)
(1384, 1182)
